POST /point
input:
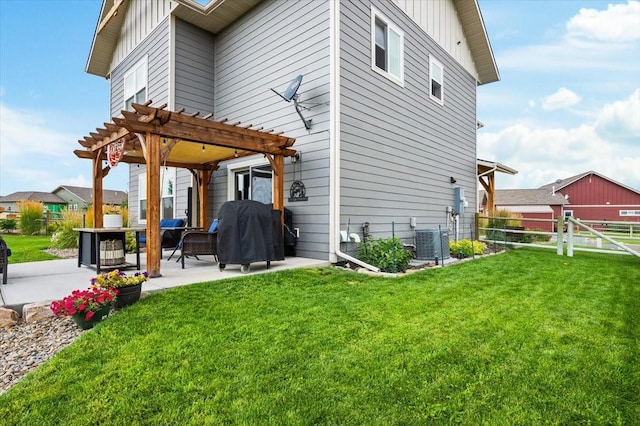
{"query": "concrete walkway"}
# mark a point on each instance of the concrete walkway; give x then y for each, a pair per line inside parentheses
(55, 279)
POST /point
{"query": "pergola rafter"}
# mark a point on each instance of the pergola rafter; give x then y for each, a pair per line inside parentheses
(156, 137)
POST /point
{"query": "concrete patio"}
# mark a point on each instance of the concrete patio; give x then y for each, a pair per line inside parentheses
(55, 279)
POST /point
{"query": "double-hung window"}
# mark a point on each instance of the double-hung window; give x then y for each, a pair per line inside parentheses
(135, 85)
(167, 194)
(436, 80)
(387, 48)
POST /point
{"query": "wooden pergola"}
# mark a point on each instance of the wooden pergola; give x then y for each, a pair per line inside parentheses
(159, 138)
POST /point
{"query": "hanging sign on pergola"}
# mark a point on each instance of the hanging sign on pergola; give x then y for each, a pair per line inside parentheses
(115, 151)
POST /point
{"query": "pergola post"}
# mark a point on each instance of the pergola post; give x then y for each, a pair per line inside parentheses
(278, 186)
(154, 239)
(203, 197)
(97, 190)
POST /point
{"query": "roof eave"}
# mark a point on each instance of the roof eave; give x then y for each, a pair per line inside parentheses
(479, 44)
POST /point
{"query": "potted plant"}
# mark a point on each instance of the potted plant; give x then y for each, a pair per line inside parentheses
(86, 307)
(129, 287)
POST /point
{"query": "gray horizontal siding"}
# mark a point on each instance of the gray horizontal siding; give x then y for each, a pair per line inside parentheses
(194, 68)
(265, 49)
(398, 147)
(156, 48)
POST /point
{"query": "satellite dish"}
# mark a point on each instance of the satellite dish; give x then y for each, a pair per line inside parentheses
(558, 181)
(291, 94)
(292, 89)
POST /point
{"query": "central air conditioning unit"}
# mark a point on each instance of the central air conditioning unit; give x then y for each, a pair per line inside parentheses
(432, 243)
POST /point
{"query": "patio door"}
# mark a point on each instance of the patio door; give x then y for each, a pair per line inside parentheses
(253, 182)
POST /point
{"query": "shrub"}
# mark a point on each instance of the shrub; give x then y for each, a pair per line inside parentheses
(464, 248)
(130, 241)
(65, 236)
(499, 220)
(30, 216)
(8, 224)
(387, 254)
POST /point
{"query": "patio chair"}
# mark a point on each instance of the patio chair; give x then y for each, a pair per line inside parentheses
(194, 243)
(169, 233)
(5, 252)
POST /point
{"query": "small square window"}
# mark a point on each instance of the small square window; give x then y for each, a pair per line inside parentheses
(387, 48)
(436, 80)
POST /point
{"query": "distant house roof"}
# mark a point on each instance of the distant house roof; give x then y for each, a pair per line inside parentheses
(561, 183)
(530, 197)
(44, 197)
(109, 196)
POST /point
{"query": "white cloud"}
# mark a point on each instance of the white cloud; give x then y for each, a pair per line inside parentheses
(597, 40)
(619, 23)
(36, 156)
(620, 121)
(563, 98)
(544, 155)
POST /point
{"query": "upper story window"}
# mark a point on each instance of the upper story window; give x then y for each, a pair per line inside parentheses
(436, 80)
(387, 48)
(135, 85)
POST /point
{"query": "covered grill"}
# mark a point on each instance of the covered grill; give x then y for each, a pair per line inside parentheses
(248, 232)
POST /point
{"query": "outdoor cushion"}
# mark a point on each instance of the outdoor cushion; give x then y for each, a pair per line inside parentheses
(214, 226)
(170, 240)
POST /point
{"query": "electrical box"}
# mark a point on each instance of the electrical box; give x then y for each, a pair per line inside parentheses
(412, 222)
(458, 200)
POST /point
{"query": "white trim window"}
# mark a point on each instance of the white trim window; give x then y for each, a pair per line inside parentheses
(387, 48)
(436, 80)
(135, 85)
(167, 197)
(629, 213)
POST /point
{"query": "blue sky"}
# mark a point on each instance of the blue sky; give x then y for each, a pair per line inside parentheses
(568, 100)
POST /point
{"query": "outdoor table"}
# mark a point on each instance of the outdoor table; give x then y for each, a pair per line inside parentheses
(89, 246)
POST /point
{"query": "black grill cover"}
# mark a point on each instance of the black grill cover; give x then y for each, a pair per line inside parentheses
(248, 231)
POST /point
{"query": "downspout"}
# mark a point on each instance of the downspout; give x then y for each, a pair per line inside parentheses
(334, 141)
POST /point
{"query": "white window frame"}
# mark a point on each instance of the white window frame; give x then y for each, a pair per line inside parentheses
(139, 75)
(629, 213)
(239, 166)
(398, 77)
(568, 213)
(434, 64)
(167, 174)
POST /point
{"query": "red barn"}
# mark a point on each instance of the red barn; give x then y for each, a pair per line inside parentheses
(592, 196)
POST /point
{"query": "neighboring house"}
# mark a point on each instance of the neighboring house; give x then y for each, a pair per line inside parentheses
(52, 202)
(79, 198)
(530, 204)
(389, 87)
(592, 196)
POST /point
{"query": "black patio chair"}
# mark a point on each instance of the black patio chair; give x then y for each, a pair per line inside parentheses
(194, 243)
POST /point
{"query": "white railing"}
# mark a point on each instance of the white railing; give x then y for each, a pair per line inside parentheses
(600, 237)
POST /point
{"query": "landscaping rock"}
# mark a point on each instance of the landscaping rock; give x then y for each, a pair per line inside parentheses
(32, 312)
(8, 317)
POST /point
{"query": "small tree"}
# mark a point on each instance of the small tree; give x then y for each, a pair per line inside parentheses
(31, 214)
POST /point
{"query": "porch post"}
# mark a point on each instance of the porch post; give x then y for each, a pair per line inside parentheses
(278, 186)
(154, 242)
(203, 197)
(96, 194)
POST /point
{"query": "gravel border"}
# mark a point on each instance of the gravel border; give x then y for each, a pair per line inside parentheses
(25, 346)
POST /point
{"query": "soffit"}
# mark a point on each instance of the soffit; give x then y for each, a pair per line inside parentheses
(478, 40)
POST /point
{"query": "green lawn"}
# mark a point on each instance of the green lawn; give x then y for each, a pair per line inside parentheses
(525, 337)
(28, 248)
